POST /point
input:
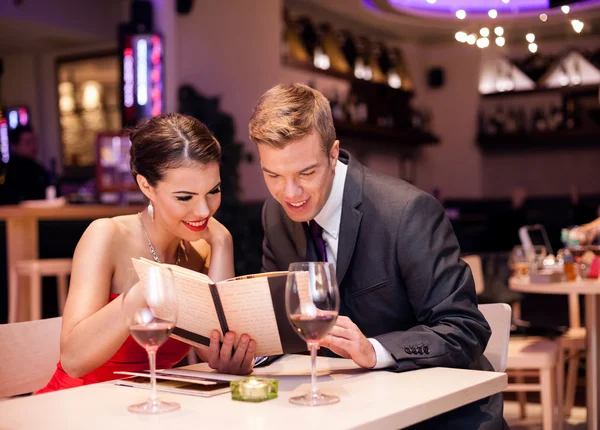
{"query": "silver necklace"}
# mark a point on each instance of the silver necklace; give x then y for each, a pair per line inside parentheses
(152, 251)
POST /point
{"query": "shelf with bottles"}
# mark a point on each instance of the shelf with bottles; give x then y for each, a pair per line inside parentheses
(376, 113)
(406, 136)
(562, 139)
(339, 53)
(565, 119)
(566, 90)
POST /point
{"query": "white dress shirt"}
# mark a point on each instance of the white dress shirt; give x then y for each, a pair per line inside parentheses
(330, 218)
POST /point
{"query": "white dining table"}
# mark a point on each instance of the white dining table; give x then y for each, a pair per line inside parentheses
(369, 400)
(590, 289)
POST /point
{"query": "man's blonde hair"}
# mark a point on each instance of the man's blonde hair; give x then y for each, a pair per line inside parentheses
(288, 112)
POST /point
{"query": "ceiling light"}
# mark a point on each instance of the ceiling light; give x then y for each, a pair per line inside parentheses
(485, 32)
(471, 39)
(530, 37)
(461, 36)
(461, 14)
(493, 13)
(500, 41)
(544, 17)
(484, 42)
(533, 48)
(505, 1)
(566, 9)
(499, 31)
(431, 1)
(577, 25)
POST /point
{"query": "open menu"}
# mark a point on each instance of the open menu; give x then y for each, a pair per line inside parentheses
(252, 305)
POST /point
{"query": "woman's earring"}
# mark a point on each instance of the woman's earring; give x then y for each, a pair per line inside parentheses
(151, 211)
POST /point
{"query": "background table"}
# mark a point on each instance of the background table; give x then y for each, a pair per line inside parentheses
(22, 240)
(369, 400)
(590, 288)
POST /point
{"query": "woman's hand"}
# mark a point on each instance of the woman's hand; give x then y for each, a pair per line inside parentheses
(216, 234)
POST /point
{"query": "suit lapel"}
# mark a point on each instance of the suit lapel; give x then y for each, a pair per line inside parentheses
(351, 216)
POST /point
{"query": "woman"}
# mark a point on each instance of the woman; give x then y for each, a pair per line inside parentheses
(175, 161)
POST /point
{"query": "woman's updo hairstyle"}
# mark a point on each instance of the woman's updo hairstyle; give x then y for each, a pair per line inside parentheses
(169, 141)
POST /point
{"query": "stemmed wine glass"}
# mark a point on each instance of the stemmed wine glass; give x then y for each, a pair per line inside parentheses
(312, 303)
(150, 309)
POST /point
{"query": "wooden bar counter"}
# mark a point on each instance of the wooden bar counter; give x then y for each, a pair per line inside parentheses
(22, 240)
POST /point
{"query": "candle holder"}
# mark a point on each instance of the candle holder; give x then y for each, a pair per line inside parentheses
(253, 389)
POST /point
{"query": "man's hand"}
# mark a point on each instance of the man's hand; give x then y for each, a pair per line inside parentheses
(221, 359)
(346, 340)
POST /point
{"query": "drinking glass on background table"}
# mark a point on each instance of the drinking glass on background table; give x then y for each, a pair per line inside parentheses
(150, 309)
(312, 303)
(519, 262)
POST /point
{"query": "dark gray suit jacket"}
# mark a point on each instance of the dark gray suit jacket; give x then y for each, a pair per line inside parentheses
(401, 280)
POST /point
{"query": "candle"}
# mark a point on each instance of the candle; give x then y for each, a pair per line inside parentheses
(253, 389)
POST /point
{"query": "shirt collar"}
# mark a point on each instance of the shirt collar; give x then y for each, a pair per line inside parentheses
(331, 215)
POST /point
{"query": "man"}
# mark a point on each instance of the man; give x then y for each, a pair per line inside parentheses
(407, 300)
(24, 178)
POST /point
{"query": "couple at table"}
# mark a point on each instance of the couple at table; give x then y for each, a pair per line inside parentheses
(408, 301)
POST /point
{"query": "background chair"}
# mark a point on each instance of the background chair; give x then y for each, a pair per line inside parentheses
(573, 346)
(474, 262)
(498, 316)
(29, 352)
(35, 270)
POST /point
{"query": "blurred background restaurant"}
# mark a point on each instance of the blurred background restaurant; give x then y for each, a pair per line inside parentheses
(491, 106)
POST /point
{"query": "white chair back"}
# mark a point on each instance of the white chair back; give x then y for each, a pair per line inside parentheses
(29, 352)
(474, 262)
(498, 316)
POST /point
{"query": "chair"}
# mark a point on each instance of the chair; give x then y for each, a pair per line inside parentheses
(474, 262)
(498, 316)
(542, 356)
(525, 357)
(35, 270)
(573, 345)
(29, 352)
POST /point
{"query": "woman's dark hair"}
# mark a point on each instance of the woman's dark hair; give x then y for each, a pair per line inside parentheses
(169, 141)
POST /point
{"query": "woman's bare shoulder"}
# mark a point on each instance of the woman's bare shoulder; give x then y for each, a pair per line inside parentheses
(107, 230)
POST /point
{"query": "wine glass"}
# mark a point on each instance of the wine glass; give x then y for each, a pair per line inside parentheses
(150, 309)
(312, 303)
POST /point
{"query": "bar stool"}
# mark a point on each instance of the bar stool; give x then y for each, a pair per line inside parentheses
(36, 270)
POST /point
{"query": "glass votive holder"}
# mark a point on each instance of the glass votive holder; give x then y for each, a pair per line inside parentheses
(254, 389)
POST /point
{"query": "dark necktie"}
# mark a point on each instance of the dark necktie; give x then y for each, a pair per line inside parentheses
(316, 232)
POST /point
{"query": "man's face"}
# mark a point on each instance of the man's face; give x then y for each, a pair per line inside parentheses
(300, 176)
(27, 146)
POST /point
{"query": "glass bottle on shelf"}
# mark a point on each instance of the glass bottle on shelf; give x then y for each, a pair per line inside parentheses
(569, 113)
(511, 121)
(540, 123)
(499, 119)
(522, 120)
